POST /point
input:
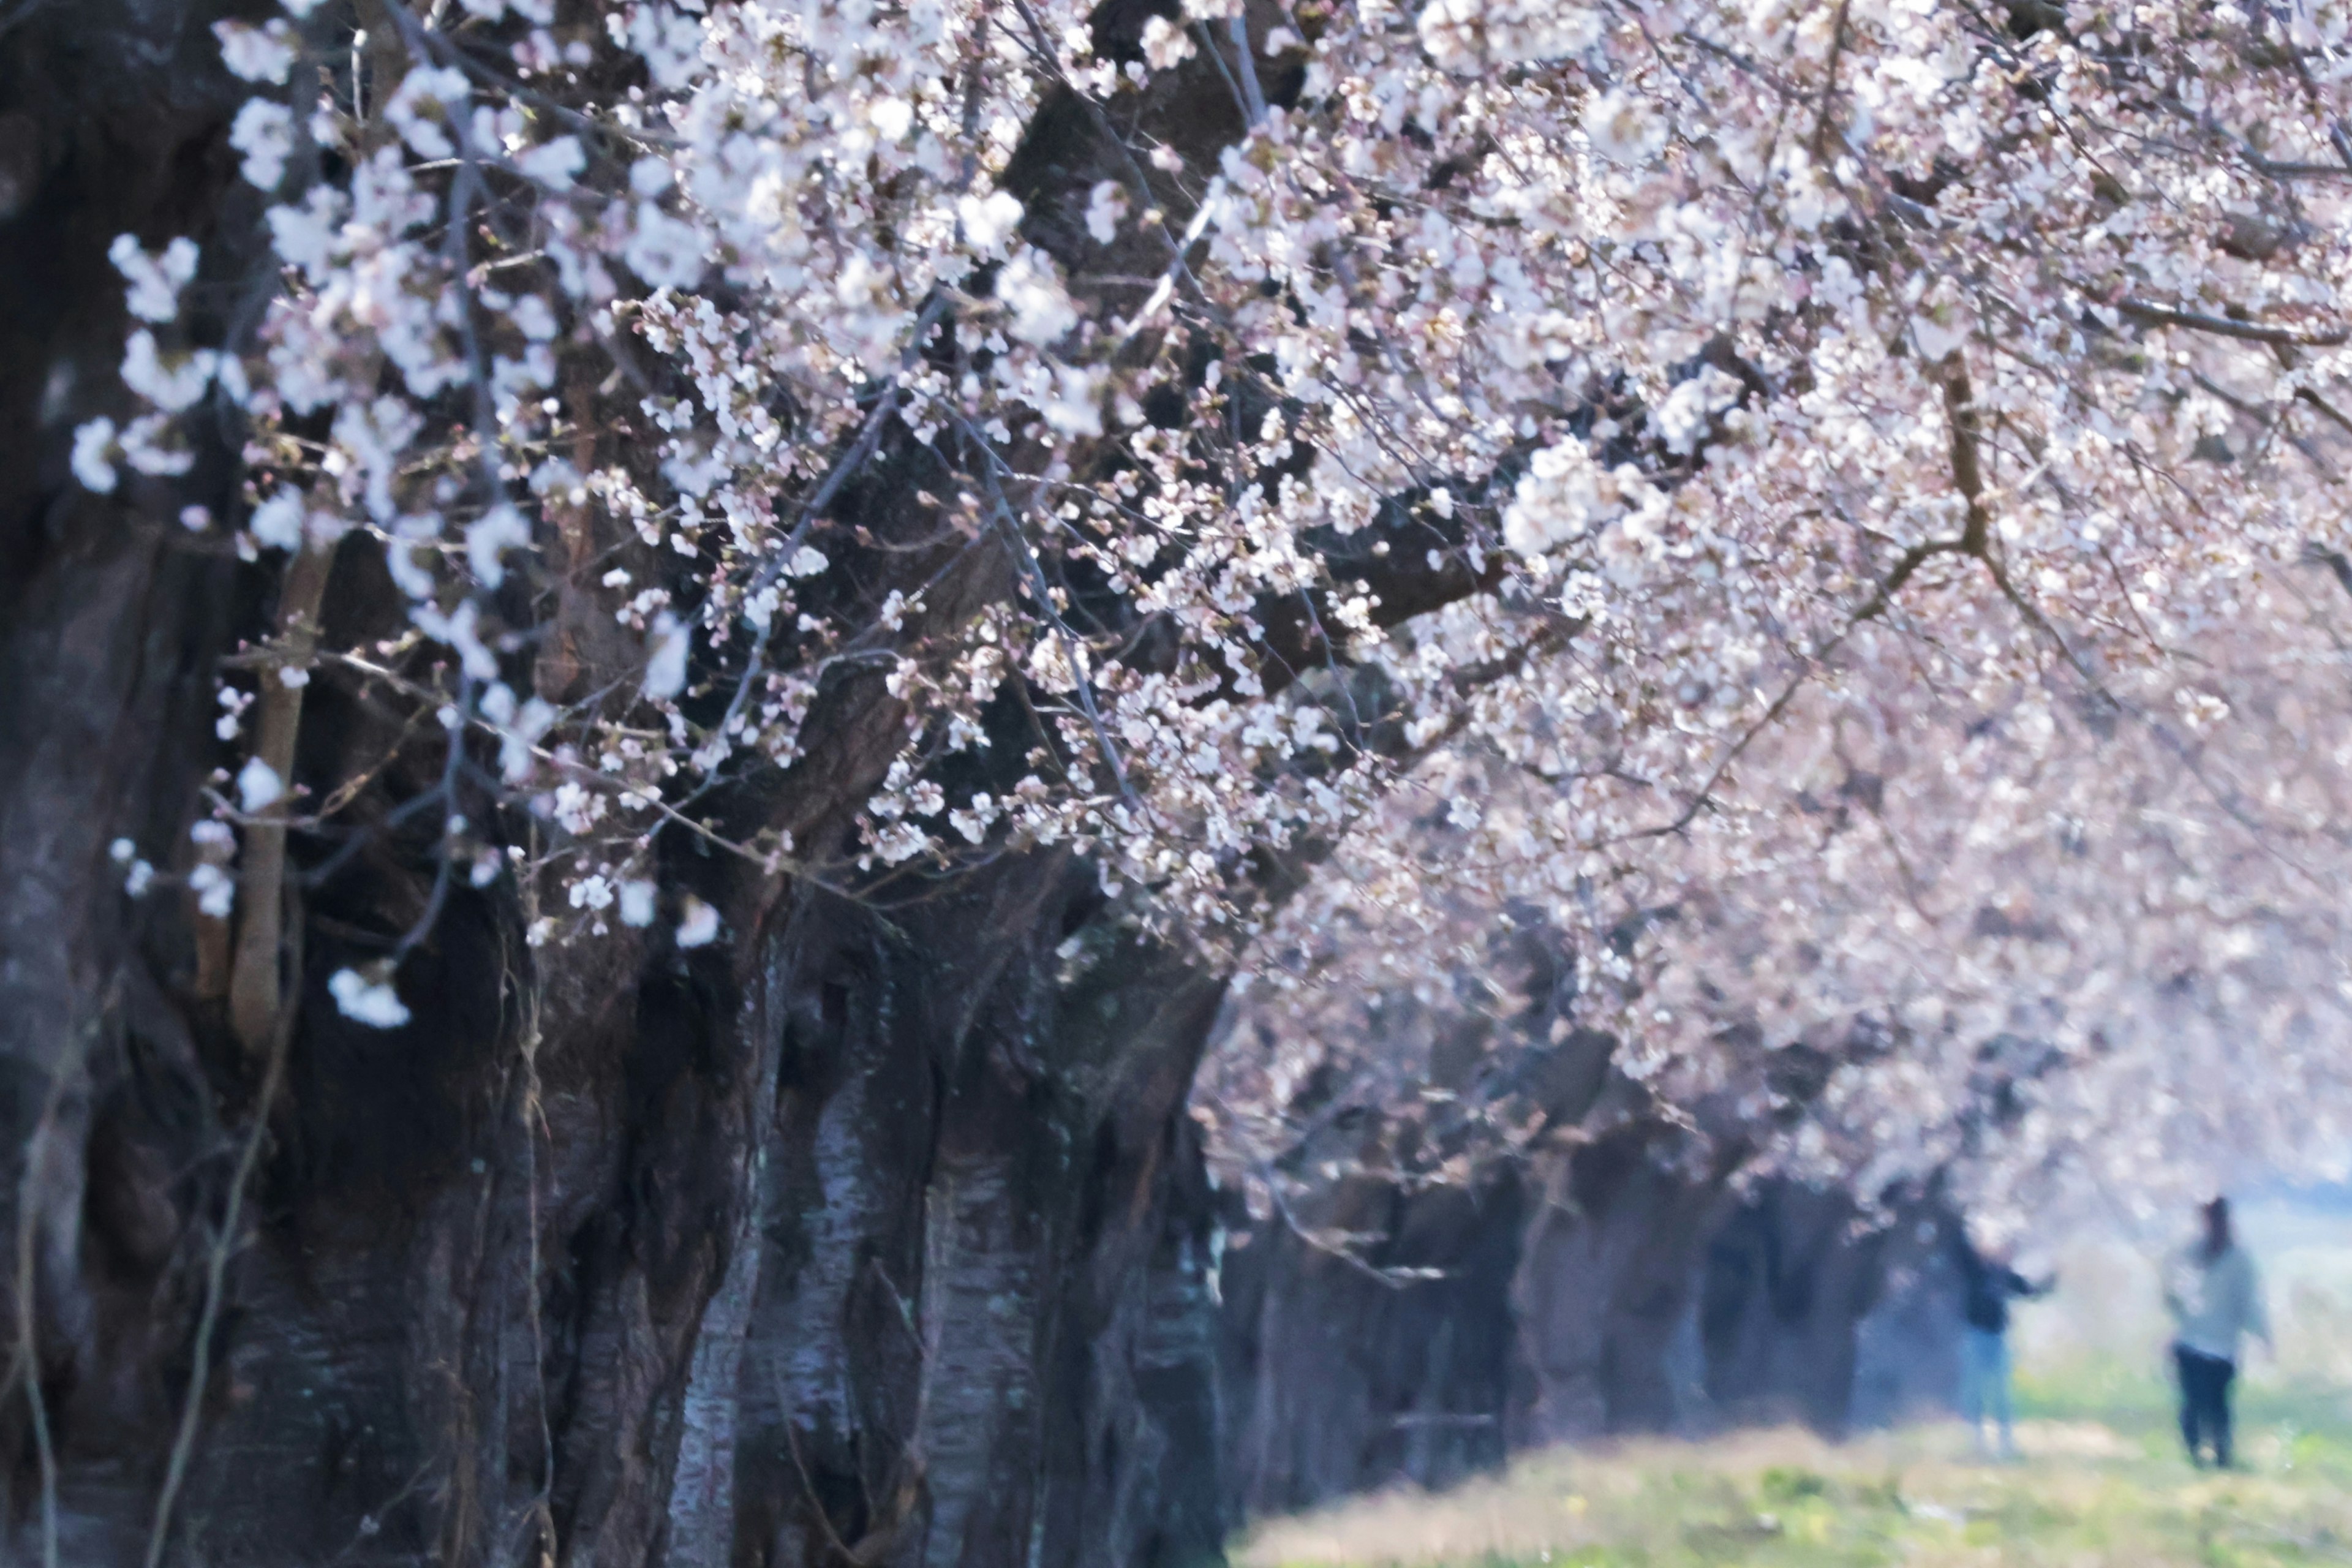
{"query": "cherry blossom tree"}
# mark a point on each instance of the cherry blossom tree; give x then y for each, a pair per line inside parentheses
(1823, 512)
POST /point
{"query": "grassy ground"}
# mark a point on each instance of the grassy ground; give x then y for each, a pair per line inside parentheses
(2101, 1483)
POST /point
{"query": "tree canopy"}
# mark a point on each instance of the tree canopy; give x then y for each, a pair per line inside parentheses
(1828, 515)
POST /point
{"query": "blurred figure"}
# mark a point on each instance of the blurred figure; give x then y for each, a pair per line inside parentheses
(1988, 1284)
(2215, 1298)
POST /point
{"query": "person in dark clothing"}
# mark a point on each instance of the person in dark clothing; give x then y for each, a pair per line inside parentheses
(2215, 1297)
(1988, 1284)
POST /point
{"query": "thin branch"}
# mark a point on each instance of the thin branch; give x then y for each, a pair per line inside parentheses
(1011, 528)
(27, 1355)
(224, 1247)
(1217, 58)
(1386, 1278)
(1968, 467)
(2338, 566)
(2336, 415)
(255, 985)
(886, 402)
(360, 837)
(1974, 541)
(2222, 326)
(451, 762)
(589, 777)
(1828, 85)
(1253, 94)
(534, 1126)
(1212, 202)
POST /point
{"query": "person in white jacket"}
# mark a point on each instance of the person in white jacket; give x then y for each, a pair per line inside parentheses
(2215, 1298)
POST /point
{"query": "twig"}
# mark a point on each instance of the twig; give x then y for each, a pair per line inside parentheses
(1386, 1278)
(1212, 201)
(2222, 326)
(1828, 85)
(28, 1277)
(451, 762)
(591, 778)
(1084, 683)
(255, 985)
(2336, 415)
(225, 1246)
(1010, 527)
(324, 872)
(1968, 469)
(1253, 95)
(534, 1125)
(886, 402)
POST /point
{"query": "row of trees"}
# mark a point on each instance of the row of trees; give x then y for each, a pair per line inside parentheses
(750, 608)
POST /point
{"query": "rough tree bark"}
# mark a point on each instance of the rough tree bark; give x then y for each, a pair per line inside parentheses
(1613, 1292)
(1618, 1279)
(853, 1240)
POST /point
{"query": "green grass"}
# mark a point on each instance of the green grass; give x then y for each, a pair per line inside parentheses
(2101, 1483)
(2119, 1393)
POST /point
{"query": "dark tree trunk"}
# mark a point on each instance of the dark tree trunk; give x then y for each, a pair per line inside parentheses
(1616, 1282)
(1340, 1377)
(869, 1241)
(1787, 1286)
(1603, 1287)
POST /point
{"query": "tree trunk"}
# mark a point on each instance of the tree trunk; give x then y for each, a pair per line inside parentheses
(1616, 1282)
(858, 1241)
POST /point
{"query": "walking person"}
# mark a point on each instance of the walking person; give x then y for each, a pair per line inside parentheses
(1988, 1284)
(2215, 1298)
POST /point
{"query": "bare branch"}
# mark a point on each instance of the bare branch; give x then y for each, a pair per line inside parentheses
(255, 985)
(224, 1247)
(2222, 326)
